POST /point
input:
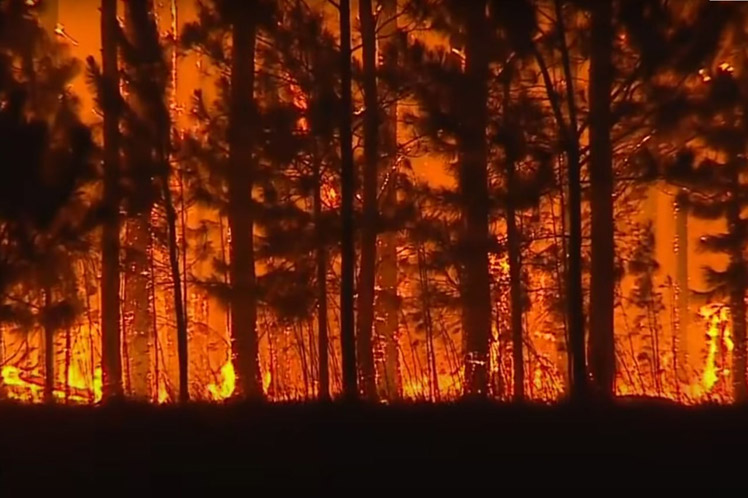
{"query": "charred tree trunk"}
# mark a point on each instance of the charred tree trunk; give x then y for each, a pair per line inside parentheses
(144, 162)
(681, 230)
(574, 293)
(137, 305)
(738, 287)
(367, 273)
(602, 281)
(321, 257)
(387, 301)
(240, 211)
(348, 179)
(68, 359)
(110, 247)
(738, 313)
(473, 186)
(163, 138)
(49, 350)
(515, 252)
(515, 291)
(179, 303)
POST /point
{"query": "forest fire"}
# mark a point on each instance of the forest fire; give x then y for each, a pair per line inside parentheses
(200, 256)
(315, 241)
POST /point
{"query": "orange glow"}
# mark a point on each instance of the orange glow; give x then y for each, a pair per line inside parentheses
(288, 366)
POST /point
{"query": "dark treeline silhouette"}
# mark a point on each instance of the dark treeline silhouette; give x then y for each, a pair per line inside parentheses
(375, 200)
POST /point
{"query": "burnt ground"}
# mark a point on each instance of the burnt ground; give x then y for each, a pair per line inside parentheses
(137, 449)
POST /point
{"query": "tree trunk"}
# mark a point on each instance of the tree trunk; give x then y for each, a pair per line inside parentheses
(145, 160)
(179, 304)
(180, 285)
(49, 351)
(387, 301)
(515, 260)
(137, 305)
(68, 359)
(574, 294)
(240, 211)
(369, 224)
(739, 284)
(602, 274)
(681, 231)
(476, 292)
(321, 257)
(738, 313)
(110, 247)
(347, 180)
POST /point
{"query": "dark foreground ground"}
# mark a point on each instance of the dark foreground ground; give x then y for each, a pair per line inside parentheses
(135, 450)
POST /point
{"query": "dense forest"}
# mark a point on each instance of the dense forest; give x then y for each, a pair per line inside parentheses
(382, 200)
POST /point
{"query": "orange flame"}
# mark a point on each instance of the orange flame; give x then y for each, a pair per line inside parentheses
(225, 388)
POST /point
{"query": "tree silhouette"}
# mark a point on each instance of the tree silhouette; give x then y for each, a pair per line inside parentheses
(47, 164)
(713, 174)
(367, 274)
(347, 187)
(148, 126)
(304, 49)
(602, 270)
(239, 22)
(110, 103)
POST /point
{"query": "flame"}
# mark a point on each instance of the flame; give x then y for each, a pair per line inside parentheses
(17, 388)
(705, 76)
(267, 378)
(77, 380)
(717, 318)
(32, 390)
(225, 388)
(163, 394)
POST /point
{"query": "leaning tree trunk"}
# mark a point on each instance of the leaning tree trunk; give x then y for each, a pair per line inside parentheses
(240, 211)
(602, 281)
(473, 183)
(110, 247)
(367, 274)
(387, 301)
(347, 180)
